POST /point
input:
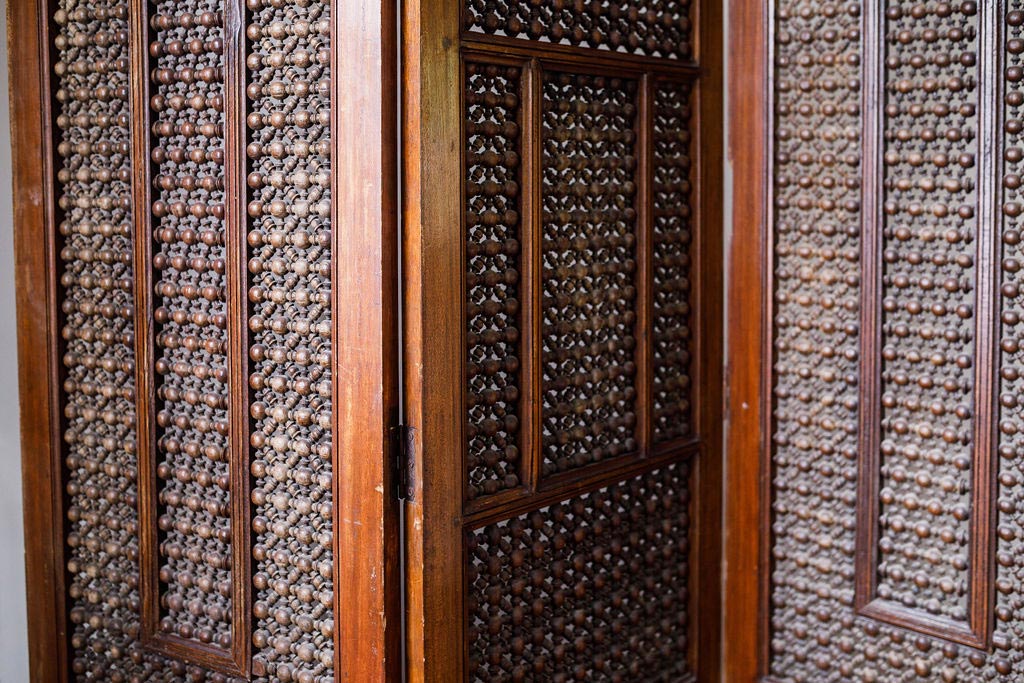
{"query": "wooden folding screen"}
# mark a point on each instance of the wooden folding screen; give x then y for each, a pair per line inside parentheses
(207, 321)
(562, 355)
(876, 530)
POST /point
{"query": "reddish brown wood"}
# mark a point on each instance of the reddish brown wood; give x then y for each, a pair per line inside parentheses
(747, 366)
(432, 279)
(35, 278)
(365, 304)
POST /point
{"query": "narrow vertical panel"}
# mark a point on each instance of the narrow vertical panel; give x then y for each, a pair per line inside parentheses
(494, 254)
(190, 484)
(673, 272)
(368, 590)
(926, 399)
(93, 255)
(289, 238)
(434, 352)
(36, 294)
(814, 314)
(589, 278)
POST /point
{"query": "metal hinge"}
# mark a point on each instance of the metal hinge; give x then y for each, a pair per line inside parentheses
(402, 447)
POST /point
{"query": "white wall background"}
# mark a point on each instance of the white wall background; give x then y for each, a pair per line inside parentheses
(13, 634)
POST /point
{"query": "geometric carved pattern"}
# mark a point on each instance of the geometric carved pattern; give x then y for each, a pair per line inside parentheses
(589, 269)
(672, 266)
(93, 194)
(190, 320)
(594, 588)
(659, 29)
(493, 243)
(289, 240)
(930, 305)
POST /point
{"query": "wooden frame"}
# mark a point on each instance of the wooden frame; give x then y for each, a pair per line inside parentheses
(364, 298)
(432, 280)
(746, 556)
(977, 630)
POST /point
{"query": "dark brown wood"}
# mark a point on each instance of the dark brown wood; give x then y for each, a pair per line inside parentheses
(368, 589)
(38, 363)
(747, 402)
(708, 323)
(977, 630)
(439, 523)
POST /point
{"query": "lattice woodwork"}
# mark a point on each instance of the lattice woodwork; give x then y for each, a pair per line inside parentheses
(190, 320)
(93, 172)
(493, 267)
(589, 269)
(934, 55)
(672, 241)
(662, 28)
(94, 200)
(591, 589)
(289, 241)
(928, 302)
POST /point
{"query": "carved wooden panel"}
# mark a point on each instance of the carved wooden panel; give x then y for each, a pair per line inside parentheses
(672, 265)
(184, 246)
(894, 467)
(189, 400)
(93, 198)
(592, 588)
(494, 241)
(589, 285)
(661, 29)
(289, 292)
(579, 248)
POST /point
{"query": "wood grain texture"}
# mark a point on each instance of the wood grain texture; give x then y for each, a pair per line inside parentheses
(432, 277)
(747, 403)
(35, 273)
(367, 574)
(708, 324)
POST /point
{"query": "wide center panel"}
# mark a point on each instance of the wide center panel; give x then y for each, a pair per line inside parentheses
(583, 277)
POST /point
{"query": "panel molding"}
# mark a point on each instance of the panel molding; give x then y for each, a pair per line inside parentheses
(976, 630)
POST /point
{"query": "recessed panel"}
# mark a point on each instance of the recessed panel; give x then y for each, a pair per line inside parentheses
(494, 275)
(589, 269)
(672, 270)
(189, 324)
